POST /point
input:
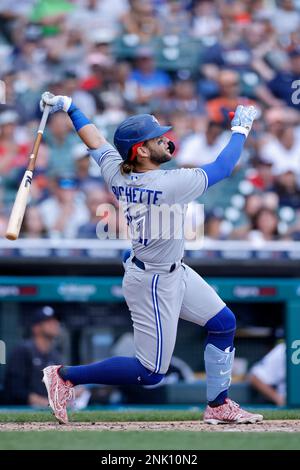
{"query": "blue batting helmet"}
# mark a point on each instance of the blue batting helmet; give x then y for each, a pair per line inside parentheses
(137, 129)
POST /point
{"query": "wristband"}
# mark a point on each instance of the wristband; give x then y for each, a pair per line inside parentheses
(77, 117)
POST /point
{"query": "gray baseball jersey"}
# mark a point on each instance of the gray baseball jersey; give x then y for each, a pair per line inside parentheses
(155, 296)
(154, 204)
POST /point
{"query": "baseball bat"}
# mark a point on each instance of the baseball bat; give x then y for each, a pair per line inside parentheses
(19, 207)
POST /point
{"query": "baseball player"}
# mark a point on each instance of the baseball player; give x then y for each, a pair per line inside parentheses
(158, 287)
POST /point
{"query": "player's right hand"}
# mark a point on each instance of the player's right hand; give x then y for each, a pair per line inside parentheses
(243, 119)
(56, 103)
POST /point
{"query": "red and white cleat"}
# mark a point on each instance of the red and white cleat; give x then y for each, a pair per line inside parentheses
(59, 392)
(229, 413)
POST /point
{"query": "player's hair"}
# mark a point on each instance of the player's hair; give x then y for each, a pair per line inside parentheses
(127, 167)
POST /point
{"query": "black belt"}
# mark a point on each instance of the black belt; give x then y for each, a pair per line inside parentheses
(140, 264)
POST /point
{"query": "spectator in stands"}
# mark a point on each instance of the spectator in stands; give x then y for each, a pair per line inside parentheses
(230, 51)
(182, 127)
(206, 23)
(13, 148)
(51, 14)
(229, 97)
(261, 175)
(285, 185)
(285, 18)
(23, 372)
(124, 86)
(239, 50)
(26, 56)
(213, 225)
(141, 20)
(174, 18)
(13, 13)
(101, 41)
(101, 69)
(183, 98)
(281, 143)
(60, 139)
(87, 173)
(203, 147)
(33, 226)
(280, 82)
(247, 51)
(3, 224)
(264, 226)
(98, 16)
(65, 211)
(253, 204)
(82, 99)
(103, 215)
(268, 376)
(151, 84)
(15, 97)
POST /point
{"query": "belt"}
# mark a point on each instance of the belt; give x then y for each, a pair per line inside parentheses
(140, 264)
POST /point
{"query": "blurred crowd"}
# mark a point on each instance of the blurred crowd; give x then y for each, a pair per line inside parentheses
(189, 62)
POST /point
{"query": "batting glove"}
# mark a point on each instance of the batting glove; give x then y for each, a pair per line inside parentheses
(243, 119)
(57, 103)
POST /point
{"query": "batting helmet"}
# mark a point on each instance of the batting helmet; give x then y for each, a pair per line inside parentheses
(136, 129)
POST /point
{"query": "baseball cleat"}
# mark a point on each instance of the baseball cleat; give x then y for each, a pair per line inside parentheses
(229, 413)
(59, 393)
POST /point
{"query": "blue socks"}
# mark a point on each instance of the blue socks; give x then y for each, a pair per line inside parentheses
(113, 371)
(221, 330)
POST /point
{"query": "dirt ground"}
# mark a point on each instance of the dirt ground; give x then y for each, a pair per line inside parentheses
(265, 426)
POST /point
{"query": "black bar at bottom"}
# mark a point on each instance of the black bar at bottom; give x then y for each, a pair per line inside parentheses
(140, 458)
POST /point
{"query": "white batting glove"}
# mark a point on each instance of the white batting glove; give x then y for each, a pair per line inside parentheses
(243, 119)
(57, 103)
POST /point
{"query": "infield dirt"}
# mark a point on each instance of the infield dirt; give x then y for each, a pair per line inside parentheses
(264, 426)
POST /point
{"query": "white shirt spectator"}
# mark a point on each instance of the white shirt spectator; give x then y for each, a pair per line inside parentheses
(285, 22)
(272, 369)
(195, 150)
(274, 152)
(85, 102)
(50, 210)
(17, 8)
(105, 16)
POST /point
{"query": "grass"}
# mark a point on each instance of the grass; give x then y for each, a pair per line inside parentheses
(147, 440)
(144, 415)
(142, 440)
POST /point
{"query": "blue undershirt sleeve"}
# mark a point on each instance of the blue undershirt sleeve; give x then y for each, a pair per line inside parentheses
(224, 164)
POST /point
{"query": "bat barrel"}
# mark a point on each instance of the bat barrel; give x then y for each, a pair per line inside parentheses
(19, 207)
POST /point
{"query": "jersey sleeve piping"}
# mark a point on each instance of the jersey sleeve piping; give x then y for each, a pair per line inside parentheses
(206, 180)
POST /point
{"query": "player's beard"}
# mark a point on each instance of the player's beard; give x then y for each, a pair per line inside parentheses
(160, 157)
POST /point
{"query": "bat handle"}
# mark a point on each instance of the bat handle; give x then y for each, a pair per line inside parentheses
(44, 119)
(32, 158)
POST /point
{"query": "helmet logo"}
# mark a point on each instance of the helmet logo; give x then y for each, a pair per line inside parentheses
(154, 119)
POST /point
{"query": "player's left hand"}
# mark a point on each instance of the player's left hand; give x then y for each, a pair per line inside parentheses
(243, 119)
(56, 103)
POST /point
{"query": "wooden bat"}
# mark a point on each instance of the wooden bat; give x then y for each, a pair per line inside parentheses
(19, 207)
